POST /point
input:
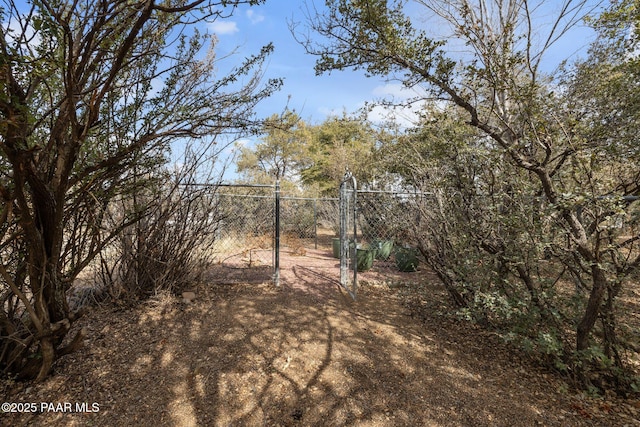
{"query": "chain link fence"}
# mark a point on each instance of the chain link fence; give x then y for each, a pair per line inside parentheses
(307, 223)
(247, 243)
(243, 247)
(236, 234)
(386, 229)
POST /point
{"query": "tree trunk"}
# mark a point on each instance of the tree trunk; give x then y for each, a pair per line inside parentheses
(592, 309)
(608, 319)
(49, 310)
(449, 283)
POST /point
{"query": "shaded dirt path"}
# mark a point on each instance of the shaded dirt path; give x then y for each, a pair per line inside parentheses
(304, 355)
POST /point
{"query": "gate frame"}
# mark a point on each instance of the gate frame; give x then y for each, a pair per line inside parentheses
(348, 207)
(276, 237)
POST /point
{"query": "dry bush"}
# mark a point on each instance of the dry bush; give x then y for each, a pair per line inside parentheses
(165, 251)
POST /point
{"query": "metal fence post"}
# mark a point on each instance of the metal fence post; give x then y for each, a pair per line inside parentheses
(315, 223)
(276, 274)
(354, 260)
(348, 243)
(344, 242)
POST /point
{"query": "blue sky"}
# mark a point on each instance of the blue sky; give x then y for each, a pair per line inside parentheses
(313, 97)
(317, 97)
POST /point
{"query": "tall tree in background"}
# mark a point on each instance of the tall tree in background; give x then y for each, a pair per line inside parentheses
(91, 96)
(312, 158)
(338, 144)
(281, 151)
(499, 86)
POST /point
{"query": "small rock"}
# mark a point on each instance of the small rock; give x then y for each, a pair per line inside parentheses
(188, 297)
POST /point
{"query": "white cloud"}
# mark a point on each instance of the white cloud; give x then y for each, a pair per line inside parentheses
(398, 91)
(254, 17)
(224, 27)
(406, 116)
(410, 104)
(242, 142)
(330, 112)
(233, 148)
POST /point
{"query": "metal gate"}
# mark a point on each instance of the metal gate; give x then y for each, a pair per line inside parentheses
(254, 221)
(348, 233)
(245, 246)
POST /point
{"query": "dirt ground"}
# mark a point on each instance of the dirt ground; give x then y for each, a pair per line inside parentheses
(250, 354)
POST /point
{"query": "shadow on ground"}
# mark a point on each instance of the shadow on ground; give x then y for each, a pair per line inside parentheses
(304, 354)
